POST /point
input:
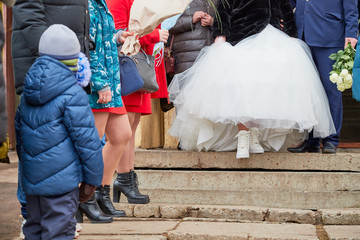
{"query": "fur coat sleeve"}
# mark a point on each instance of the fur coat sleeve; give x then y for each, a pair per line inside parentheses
(239, 19)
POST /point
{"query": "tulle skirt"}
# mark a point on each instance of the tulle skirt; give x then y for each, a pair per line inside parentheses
(267, 81)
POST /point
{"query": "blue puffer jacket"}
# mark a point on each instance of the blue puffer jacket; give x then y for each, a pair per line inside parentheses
(56, 136)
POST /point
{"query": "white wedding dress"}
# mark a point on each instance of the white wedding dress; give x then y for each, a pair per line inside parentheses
(267, 80)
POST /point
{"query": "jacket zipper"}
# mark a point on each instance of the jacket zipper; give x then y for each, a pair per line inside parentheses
(208, 32)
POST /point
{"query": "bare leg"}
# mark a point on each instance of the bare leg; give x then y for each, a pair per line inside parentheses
(101, 119)
(132, 141)
(118, 133)
(126, 178)
(127, 160)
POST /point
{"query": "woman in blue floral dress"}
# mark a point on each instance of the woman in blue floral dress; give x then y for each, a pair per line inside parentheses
(105, 100)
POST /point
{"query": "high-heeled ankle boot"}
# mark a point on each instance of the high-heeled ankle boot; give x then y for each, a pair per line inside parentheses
(102, 195)
(92, 211)
(127, 184)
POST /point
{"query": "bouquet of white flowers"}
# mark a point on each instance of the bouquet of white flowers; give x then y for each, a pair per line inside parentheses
(342, 68)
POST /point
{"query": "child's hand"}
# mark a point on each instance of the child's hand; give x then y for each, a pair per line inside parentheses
(85, 192)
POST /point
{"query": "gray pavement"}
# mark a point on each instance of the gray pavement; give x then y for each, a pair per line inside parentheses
(9, 206)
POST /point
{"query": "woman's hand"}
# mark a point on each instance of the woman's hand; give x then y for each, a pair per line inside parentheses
(198, 16)
(207, 20)
(164, 35)
(124, 35)
(220, 39)
(104, 97)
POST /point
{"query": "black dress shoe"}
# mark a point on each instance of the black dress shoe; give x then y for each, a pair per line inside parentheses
(304, 147)
(91, 209)
(329, 148)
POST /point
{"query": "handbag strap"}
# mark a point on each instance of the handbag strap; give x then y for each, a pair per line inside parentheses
(171, 41)
(147, 58)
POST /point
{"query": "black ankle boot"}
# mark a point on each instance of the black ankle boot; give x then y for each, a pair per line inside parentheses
(126, 183)
(102, 194)
(92, 211)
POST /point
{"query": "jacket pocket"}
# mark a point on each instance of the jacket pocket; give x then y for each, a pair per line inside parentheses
(333, 9)
(337, 17)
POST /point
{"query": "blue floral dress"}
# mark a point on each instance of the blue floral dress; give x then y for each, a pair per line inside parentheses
(104, 61)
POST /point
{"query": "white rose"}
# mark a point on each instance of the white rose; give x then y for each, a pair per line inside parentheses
(341, 87)
(340, 80)
(347, 85)
(344, 73)
(348, 79)
(334, 77)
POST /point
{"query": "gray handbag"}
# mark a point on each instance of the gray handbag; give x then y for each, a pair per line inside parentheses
(145, 65)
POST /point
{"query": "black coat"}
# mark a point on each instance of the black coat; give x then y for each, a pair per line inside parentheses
(190, 38)
(240, 19)
(32, 17)
(3, 115)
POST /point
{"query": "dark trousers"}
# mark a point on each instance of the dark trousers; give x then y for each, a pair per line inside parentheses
(51, 217)
(324, 66)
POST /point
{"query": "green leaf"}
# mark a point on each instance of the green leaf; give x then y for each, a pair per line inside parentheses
(350, 64)
(340, 52)
(333, 56)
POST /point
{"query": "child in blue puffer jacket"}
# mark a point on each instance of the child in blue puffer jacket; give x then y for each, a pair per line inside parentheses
(57, 142)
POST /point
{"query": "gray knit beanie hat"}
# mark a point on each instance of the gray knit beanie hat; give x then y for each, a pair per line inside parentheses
(59, 42)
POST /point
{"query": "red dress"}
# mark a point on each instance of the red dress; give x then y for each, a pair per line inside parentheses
(139, 102)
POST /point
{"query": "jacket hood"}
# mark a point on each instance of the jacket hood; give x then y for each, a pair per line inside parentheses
(47, 79)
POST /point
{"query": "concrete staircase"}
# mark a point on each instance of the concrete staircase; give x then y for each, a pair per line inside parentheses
(213, 196)
(270, 180)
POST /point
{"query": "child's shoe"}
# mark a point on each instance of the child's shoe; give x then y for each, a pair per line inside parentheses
(255, 146)
(243, 144)
(23, 221)
(77, 230)
(78, 227)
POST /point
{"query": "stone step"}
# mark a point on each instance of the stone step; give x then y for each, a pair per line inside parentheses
(299, 200)
(174, 159)
(241, 213)
(128, 229)
(298, 190)
(249, 181)
(241, 231)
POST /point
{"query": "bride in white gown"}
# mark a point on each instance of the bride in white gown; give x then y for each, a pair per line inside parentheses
(258, 81)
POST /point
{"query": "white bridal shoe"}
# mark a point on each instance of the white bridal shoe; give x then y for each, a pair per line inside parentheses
(255, 146)
(243, 144)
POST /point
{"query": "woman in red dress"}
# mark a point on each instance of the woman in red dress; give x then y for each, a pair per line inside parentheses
(136, 104)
